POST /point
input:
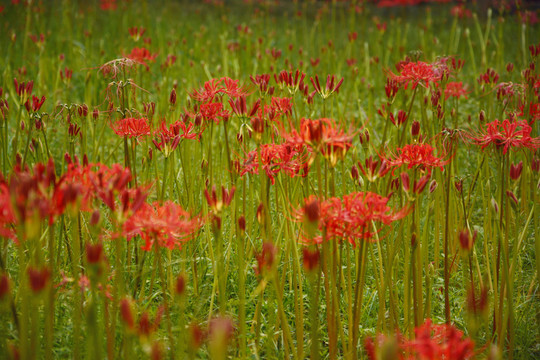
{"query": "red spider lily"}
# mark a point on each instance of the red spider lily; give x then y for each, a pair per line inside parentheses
(167, 225)
(330, 88)
(38, 278)
(506, 134)
(217, 204)
(136, 32)
(275, 158)
(239, 106)
(420, 155)
(350, 218)
(440, 342)
(455, 89)
(322, 135)
(214, 111)
(131, 127)
(24, 90)
(310, 258)
(35, 105)
(168, 138)
(4, 286)
(126, 312)
(292, 82)
(262, 82)
(145, 326)
(214, 87)
(108, 5)
(374, 169)
(97, 181)
(7, 216)
(266, 258)
(39, 193)
(416, 73)
(431, 342)
(515, 170)
(141, 55)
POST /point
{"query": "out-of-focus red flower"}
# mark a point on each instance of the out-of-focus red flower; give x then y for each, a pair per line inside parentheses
(142, 56)
(38, 278)
(217, 204)
(266, 258)
(4, 286)
(506, 135)
(131, 127)
(126, 312)
(430, 342)
(167, 225)
(455, 89)
(214, 87)
(350, 218)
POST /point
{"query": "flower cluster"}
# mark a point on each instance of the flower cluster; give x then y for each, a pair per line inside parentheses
(431, 342)
(167, 225)
(276, 158)
(506, 134)
(350, 218)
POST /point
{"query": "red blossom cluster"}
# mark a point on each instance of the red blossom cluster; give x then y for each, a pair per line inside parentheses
(416, 155)
(141, 55)
(167, 225)
(215, 87)
(431, 342)
(415, 73)
(131, 127)
(275, 158)
(351, 218)
(321, 135)
(507, 134)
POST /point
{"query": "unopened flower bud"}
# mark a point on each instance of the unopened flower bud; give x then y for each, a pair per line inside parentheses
(415, 128)
(515, 170)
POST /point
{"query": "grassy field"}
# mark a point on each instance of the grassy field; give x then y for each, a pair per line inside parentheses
(269, 180)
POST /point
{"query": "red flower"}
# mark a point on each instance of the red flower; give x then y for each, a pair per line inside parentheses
(455, 89)
(168, 224)
(322, 135)
(350, 218)
(7, 216)
(214, 87)
(431, 342)
(416, 73)
(168, 138)
(38, 278)
(420, 155)
(276, 158)
(141, 55)
(506, 134)
(131, 127)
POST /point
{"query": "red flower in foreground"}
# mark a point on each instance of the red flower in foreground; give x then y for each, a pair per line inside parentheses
(169, 225)
(431, 342)
(131, 127)
(506, 134)
(416, 73)
(420, 155)
(350, 218)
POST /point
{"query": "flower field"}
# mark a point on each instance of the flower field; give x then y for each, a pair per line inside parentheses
(269, 179)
